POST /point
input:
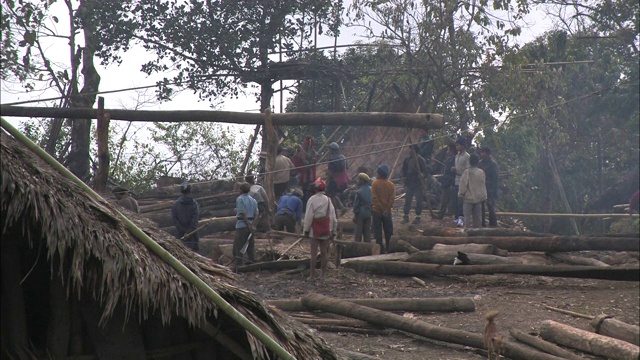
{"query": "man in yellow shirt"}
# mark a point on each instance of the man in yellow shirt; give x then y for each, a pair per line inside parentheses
(384, 195)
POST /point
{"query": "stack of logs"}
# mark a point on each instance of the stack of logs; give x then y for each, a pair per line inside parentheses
(611, 338)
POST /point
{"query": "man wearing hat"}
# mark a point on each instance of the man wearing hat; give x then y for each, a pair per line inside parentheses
(338, 176)
(125, 200)
(461, 164)
(185, 213)
(289, 212)
(413, 168)
(283, 169)
(384, 195)
(362, 208)
(320, 210)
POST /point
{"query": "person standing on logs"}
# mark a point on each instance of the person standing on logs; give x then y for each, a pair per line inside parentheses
(426, 145)
(338, 176)
(246, 213)
(282, 173)
(305, 160)
(260, 195)
(384, 195)
(289, 212)
(491, 173)
(447, 183)
(125, 200)
(461, 164)
(320, 224)
(472, 193)
(413, 168)
(185, 214)
(362, 208)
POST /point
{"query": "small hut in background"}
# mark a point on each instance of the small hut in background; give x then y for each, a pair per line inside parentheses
(77, 284)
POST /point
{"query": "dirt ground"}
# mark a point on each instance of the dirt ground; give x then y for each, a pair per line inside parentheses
(520, 299)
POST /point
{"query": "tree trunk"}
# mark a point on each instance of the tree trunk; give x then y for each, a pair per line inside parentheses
(499, 232)
(622, 273)
(443, 231)
(453, 304)
(446, 258)
(423, 121)
(607, 326)
(399, 256)
(588, 342)
(102, 135)
(415, 326)
(270, 144)
(524, 244)
(545, 346)
(351, 249)
(576, 260)
(486, 249)
(275, 265)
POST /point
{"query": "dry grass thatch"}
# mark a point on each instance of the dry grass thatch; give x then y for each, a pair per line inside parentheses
(98, 255)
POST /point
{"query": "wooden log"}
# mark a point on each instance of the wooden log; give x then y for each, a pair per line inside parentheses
(399, 256)
(588, 342)
(556, 215)
(275, 265)
(442, 231)
(524, 244)
(335, 322)
(567, 312)
(545, 346)
(349, 329)
(346, 225)
(350, 249)
(502, 232)
(424, 121)
(605, 325)
(576, 260)
(399, 268)
(486, 249)
(449, 304)
(511, 350)
(446, 258)
(406, 246)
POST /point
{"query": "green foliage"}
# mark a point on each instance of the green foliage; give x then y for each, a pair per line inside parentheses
(192, 151)
(625, 226)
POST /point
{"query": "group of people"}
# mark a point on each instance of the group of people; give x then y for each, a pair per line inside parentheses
(307, 204)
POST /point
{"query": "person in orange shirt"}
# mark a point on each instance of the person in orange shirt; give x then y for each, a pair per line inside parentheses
(384, 195)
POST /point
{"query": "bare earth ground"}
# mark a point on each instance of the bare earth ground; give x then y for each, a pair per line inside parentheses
(518, 298)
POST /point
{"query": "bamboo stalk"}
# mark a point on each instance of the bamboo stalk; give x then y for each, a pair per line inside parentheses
(567, 312)
(157, 249)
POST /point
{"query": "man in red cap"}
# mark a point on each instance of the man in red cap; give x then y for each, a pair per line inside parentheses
(320, 224)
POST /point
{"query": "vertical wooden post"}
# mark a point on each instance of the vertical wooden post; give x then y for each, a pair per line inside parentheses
(272, 147)
(245, 162)
(103, 148)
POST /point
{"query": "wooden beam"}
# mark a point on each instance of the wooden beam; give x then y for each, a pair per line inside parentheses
(424, 121)
(597, 216)
(445, 304)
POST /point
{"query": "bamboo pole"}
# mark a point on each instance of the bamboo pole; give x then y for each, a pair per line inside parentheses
(424, 121)
(154, 247)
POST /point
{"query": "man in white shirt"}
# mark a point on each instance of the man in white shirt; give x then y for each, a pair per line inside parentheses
(318, 207)
(282, 173)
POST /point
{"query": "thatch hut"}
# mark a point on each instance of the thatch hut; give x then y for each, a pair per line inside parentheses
(77, 284)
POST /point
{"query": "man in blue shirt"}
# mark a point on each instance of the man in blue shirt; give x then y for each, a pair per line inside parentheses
(289, 212)
(362, 208)
(246, 212)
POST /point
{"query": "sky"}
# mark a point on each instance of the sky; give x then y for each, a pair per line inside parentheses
(129, 75)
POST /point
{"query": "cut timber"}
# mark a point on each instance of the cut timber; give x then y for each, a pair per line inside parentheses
(424, 121)
(524, 244)
(275, 265)
(486, 249)
(608, 326)
(451, 304)
(446, 258)
(555, 215)
(576, 260)
(503, 232)
(406, 246)
(348, 329)
(399, 268)
(399, 256)
(350, 249)
(545, 346)
(443, 231)
(588, 342)
(415, 326)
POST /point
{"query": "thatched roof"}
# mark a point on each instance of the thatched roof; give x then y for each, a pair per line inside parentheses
(97, 253)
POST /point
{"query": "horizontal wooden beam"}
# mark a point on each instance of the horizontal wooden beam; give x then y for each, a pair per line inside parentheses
(562, 215)
(409, 120)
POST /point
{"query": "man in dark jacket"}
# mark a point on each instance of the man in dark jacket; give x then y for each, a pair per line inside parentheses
(413, 168)
(185, 213)
(447, 182)
(491, 171)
